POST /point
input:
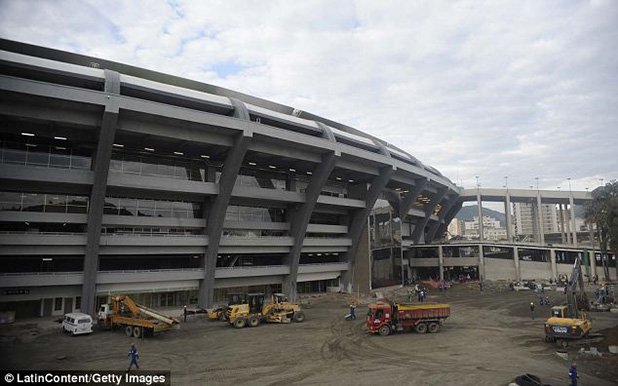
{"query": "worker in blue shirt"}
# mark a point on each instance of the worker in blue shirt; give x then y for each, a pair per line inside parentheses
(573, 374)
(134, 355)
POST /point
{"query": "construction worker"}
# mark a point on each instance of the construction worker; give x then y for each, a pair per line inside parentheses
(134, 355)
(532, 310)
(573, 374)
(353, 310)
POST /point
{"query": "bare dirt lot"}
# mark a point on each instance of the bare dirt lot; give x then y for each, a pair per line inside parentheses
(489, 339)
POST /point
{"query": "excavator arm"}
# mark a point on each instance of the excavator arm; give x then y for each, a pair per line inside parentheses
(576, 296)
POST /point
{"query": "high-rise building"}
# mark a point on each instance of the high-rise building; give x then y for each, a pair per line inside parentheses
(525, 217)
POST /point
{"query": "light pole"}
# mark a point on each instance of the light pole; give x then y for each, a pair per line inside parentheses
(569, 180)
(601, 180)
(506, 182)
(537, 182)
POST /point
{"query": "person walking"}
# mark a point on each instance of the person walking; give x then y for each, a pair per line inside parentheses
(353, 310)
(134, 355)
(184, 311)
(532, 310)
(573, 374)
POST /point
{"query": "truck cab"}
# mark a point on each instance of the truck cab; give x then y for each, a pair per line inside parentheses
(379, 318)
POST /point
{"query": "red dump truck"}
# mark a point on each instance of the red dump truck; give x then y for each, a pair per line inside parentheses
(386, 317)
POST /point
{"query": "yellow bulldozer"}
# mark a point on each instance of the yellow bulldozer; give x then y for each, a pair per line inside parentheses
(570, 322)
(255, 311)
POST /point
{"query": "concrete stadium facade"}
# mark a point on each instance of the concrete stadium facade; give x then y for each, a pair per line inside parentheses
(120, 179)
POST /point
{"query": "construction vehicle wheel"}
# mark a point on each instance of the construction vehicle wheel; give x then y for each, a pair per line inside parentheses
(137, 332)
(421, 328)
(128, 331)
(384, 330)
(433, 327)
(253, 321)
(239, 323)
(222, 316)
(299, 317)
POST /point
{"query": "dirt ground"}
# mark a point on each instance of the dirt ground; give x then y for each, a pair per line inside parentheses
(489, 339)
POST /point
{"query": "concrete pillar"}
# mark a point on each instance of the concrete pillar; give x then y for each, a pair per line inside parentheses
(358, 221)
(567, 231)
(593, 262)
(509, 217)
(561, 215)
(573, 226)
(441, 261)
(300, 221)
(419, 229)
(552, 260)
(479, 200)
(100, 167)
(481, 264)
(539, 207)
(516, 260)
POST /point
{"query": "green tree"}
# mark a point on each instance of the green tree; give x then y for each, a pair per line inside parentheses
(603, 212)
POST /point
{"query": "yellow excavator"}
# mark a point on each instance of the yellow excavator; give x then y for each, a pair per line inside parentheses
(569, 322)
(255, 311)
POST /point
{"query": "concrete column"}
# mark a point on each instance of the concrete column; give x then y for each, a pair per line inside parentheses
(593, 262)
(481, 263)
(561, 215)
(449, 217)
(539, 207)
(216, 214)
(419, 228)
(101, 161)
(516, 260)
(358, 222)
(552, 260)
(573, 226)
(444, 211)
(300, 221)
(410, 198)
(566, 223)
(509, 217)
(479, 200)
(441, 261)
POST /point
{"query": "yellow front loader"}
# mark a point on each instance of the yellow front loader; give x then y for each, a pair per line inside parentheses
(255, 311)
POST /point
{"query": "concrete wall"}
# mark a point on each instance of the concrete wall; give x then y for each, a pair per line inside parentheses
(535, 270)
(500, 269)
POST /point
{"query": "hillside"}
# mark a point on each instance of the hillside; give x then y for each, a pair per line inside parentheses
(467, 213)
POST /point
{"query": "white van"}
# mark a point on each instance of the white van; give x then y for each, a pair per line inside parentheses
(77, 323)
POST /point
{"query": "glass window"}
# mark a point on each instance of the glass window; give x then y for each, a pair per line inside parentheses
(163, 209)
(37, 155)
(127, 206)
(145, 208)
(79, 160)
(183, 170)
(77, 204)
(111, 206)
(60, 157)
(131, 164)
(78, 302)
(33, 202)
(10, 201)
(57, 304)
(56, 203)
(166, 168)
(14, 153)
(115, 164)
(149, 169)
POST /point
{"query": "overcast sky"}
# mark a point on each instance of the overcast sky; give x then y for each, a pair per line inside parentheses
(522, 89)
